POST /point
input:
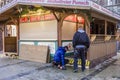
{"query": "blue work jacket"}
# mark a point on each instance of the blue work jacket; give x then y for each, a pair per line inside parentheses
(60, 55)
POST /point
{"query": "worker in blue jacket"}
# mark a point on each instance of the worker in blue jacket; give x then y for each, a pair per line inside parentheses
(59, 58)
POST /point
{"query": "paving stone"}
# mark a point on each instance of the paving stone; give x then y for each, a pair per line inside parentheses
(16, 69)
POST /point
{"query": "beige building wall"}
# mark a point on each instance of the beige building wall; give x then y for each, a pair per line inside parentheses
(44, 30)
(68, 30)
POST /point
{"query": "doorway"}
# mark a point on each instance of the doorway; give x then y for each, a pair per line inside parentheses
(10, 40)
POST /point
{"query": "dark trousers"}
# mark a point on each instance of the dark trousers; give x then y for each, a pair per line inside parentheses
(79, 53)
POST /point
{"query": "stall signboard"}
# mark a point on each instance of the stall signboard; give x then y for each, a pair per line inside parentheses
(61, 2)
(74, 18)
(24, 19)
(104, 10)
(37, 18)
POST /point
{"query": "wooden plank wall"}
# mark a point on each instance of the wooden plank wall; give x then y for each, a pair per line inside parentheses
(10, 44)
(98, 50)
(111, 47)
(34, 53)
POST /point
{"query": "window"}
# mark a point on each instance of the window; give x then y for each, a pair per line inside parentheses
(109, 2)
(110, 28)
(97, 26)
(118, 1)
(10, 30)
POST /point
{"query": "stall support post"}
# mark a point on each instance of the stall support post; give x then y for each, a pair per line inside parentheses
(60, 18)
(105, 27)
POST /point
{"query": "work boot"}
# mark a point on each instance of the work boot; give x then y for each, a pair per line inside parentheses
(83, 69)
(53, 64)
(75, 71)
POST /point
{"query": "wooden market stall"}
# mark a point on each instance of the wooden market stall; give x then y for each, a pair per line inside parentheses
(46, 24)
(103, 38)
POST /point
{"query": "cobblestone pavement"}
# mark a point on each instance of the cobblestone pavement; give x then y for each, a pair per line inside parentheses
(111, 72)
(16, 69)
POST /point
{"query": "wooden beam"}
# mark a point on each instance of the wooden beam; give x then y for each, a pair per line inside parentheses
(55, 15)
(3, 38)
(60, 18)
(18, 36)
(105, 27)
(59, 26)
(59, 29)
(14, 21)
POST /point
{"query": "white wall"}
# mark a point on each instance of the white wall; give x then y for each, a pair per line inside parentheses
(44, 30)
(68, 30)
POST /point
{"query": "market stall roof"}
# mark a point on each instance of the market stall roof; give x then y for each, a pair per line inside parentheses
(81, 4)
(8, 13)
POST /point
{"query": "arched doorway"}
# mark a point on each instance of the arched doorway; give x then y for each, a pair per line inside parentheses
(70, 26)
(10, 38)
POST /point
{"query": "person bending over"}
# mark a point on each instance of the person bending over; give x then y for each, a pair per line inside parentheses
(59, 58)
